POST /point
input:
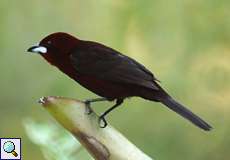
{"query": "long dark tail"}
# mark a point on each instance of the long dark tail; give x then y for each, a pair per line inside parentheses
(184, 112)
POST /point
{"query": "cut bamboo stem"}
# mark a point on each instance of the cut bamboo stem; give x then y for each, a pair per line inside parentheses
(102, 143)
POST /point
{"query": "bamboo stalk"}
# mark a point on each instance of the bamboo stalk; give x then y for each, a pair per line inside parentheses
(102, 143)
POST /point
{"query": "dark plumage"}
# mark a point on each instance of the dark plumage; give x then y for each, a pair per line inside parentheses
(107, 72)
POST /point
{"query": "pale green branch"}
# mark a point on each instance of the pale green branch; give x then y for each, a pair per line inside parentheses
(102, 143)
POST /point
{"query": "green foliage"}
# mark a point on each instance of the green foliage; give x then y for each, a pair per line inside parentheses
(54, 141)
(185, 43)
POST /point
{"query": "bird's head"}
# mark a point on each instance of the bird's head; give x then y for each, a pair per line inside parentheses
(55, 47)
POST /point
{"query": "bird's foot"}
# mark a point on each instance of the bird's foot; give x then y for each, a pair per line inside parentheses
(89, 101)
(88, 110)
(102, 122)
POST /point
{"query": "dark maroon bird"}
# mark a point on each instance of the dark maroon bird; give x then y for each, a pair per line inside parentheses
(108, 73)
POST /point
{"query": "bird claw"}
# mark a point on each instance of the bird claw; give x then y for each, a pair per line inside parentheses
(88, 110)
(102, 122)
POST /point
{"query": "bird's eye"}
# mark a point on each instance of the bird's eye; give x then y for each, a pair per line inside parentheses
(49, 42)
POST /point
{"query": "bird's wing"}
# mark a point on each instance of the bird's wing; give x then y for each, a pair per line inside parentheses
(94, 59)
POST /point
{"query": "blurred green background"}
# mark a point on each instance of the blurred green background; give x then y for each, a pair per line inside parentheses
(185, 43)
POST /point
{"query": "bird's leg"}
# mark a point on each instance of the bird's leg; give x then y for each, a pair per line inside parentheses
(88, 101)
(102, 116)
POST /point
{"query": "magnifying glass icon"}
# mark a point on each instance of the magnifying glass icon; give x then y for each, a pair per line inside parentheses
(9, 147)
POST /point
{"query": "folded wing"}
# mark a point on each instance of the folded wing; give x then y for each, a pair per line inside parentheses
(94, 59)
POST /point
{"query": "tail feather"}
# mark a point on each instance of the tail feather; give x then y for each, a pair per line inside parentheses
(184, 112)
